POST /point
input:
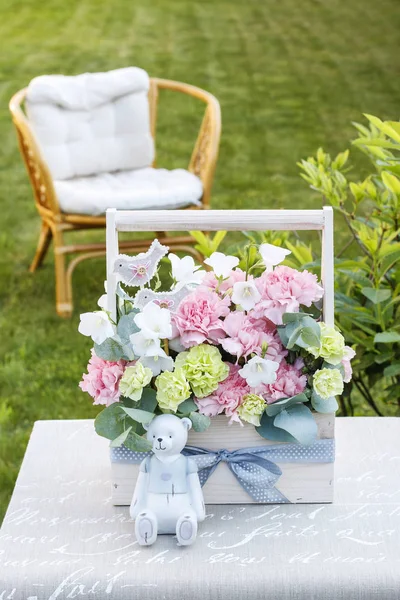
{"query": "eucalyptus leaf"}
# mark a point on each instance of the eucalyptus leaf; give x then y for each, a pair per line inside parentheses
(308, 338)
(299, 422)
(268, 431)
(148, 401)
(121, 438)
(294, 333)
(276, 407)
(199, 422)
(141, 416)
(187, 406)
(293, 317)
(110, 350)
(283, 334)
(109, 423)
(127, 326)
(324, 405)
(137, 443)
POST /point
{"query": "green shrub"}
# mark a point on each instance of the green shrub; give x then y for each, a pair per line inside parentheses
(367, 267)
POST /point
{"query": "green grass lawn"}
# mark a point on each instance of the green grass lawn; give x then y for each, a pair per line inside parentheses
(290, 76)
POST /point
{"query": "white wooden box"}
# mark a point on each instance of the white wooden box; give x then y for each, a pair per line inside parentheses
(299, 482)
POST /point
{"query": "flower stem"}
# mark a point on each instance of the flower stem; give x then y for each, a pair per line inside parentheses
(166, 347)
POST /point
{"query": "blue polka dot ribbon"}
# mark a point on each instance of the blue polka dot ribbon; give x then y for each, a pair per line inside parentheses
(254, 468)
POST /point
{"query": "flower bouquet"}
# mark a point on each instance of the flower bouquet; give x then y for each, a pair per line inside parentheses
(219, 341)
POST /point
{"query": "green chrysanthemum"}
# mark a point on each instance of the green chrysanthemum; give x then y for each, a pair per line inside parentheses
(328, 383)
(172, 389)
(134, 379)
(203, 368)
(331, 347)
(251, 409)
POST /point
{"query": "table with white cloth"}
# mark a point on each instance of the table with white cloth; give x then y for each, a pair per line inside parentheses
(62, 538)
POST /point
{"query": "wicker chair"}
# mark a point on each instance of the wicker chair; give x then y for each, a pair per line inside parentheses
(56, 223)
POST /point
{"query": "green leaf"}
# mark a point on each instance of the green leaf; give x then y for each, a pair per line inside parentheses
(137, 443)
(110, 349)
(301, 252)
(391, 182)
(322, 405)
(376, 295)
(121, 438)
(109, 423)
(389, 260)
(268, 431)
(293, 317)
(384, 357)
(299, 422)
(148, 401)
(294, 332)
(141, 416)
(276, 407)
(127, 326)
(199, 422)
(387, 337)
(308, 338)
(392, 370)
(187, 406)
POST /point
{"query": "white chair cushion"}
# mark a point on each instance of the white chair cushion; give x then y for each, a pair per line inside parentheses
(139, 189)
(92, 123)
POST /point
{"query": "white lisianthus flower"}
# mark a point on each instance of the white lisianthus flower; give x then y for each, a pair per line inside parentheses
(259, 370)
(158, 363)
(221, 264)
(145, 346)
(245, 294)
(154, 322)
(96, 325)
(272, 255)
(102, 301)
(184, 270)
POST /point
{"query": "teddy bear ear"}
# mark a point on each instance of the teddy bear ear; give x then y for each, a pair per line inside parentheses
(187, 423)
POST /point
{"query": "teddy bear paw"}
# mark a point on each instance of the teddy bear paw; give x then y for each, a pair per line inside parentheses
(186, 529)
(146, 528)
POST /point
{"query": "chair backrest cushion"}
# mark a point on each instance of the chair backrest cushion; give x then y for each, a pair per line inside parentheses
(92, 123)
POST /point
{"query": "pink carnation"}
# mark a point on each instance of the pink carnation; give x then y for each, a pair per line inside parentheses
(349, 353)
(284, 290)
(289, 382)
(247, 336)
(227, 397)
(211, 282)
(198, 318)
(102, 380)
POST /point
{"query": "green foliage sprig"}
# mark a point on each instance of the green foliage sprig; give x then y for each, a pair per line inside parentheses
(367, 269)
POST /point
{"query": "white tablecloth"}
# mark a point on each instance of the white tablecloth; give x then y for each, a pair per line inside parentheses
(62, 538)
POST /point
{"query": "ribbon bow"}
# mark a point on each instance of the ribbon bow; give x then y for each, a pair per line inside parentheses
(254, 468)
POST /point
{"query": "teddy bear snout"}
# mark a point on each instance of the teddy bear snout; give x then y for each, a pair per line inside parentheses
(159, 439)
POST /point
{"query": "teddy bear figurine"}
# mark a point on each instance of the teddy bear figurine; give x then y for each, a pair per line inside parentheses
(168, 496)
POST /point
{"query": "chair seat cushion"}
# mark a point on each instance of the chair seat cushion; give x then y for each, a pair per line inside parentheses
(129, 190)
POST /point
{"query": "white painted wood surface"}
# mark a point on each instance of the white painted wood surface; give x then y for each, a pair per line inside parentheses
(214, 220)
(229, 220)
(300, 483)
(327, 267)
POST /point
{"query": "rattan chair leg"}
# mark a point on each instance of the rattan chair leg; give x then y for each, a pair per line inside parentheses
(64, 304)
(42, 247)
